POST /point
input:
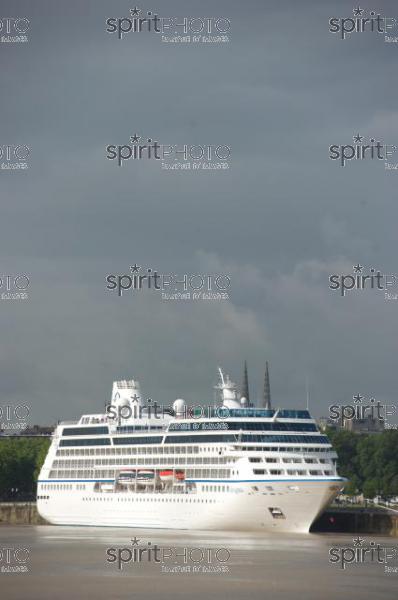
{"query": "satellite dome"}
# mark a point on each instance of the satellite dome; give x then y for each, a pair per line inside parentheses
(179, 407)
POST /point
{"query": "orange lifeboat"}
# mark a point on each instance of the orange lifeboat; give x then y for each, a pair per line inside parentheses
(166, 475)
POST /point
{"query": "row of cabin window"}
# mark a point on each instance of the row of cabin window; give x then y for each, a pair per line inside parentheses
(256, 459)
(111, 474)
(290, 472)
(72, 463)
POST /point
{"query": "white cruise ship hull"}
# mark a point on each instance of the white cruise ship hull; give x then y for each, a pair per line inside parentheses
(291, 506)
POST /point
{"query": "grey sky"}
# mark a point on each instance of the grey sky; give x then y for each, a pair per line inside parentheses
(279, 222)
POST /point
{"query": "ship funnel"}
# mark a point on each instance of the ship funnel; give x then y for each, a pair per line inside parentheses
(126, 393)
(228, 391)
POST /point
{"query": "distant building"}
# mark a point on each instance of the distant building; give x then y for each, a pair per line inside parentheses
(267, 389)
(327, 422)
(366, 425)
(265, 402)
(38, 430)
(245, 394)
(30, 431)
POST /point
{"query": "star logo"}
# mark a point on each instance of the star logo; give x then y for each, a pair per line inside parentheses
(358, 399)
(357, 11)
(135, 398)
(135, 541)
(135, 268)
(358, 541)
(357, 268)
(134, 12)
(134, 139)
(358, 138)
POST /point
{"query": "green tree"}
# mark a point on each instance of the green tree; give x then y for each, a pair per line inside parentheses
(370, 462)
(370, 488)
(20, 461)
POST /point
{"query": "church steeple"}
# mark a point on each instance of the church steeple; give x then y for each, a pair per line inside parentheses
(267, 388)
(245, 385)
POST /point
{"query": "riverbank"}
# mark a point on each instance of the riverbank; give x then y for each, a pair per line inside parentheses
(357, 520)
(20, 513)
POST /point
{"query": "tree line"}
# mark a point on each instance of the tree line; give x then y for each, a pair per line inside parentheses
(369, 461)
(20, 463)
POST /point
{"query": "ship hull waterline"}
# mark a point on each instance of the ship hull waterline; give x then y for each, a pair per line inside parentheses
(251, 506)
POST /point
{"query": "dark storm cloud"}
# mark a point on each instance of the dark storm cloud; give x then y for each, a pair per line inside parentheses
(280, 221)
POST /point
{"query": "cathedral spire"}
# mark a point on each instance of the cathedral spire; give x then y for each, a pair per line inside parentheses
(267, 388)
(245, 385)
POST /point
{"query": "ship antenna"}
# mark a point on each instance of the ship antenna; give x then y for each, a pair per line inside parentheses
(221, 375)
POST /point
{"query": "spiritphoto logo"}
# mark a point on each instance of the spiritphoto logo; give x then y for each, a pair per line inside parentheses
(188, 286)
(171, 29)
(171, 157)
(14, 157)
(362, 553)
(14, 560)
(13, 29)
(359, 282)
(363, 21)
(13, 417)
(150, 409)
(170, 559)
(14, 287)
(362, 408)
(361, 150)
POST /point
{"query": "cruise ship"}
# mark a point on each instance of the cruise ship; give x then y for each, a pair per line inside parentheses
(227, 466)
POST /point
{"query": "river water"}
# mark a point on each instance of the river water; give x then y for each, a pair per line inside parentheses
(79, 562)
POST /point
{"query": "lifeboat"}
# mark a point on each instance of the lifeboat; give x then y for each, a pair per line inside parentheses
(170, 475)
(126, 477)
(166, 475)
(180, 475)
(145, 476)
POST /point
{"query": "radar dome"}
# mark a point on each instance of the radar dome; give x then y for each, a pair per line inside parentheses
(179, 407)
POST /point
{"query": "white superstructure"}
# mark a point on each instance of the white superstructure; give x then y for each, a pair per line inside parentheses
(224, 467)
